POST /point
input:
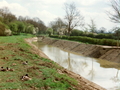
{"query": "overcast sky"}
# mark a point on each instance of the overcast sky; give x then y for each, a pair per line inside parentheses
(48, 10)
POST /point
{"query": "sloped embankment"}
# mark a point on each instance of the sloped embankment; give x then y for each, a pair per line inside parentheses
(97, 51)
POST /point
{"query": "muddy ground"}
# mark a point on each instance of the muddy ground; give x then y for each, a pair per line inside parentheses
(83, 83)
(110, 53)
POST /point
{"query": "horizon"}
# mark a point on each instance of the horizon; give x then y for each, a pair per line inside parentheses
(47, 11)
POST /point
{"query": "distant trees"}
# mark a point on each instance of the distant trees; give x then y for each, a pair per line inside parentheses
(92, 26)
(20, 24)
(36, 22)
(73, 17)
(102, 30)
(49, 31)
(57, 24)
(7, 15)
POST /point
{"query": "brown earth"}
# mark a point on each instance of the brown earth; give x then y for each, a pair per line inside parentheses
(110, 53)
(83, 84)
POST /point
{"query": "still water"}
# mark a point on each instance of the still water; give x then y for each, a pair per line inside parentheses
(90, 68)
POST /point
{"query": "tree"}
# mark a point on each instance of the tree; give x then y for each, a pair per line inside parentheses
(102, 30)
(4, 30)
(29, 28)
(117, 34)
(49, 31)
(7, 15)
(20, 27)
(92, 26)
(53, 25)
(115, 16)
(73, 17)
(57, 24)
(37, 23)
(13, 27)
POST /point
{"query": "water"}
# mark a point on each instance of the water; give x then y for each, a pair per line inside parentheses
(90, 68)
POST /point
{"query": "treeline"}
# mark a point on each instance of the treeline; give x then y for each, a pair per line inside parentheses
(109, 42)
(10, 24)
(93, 35)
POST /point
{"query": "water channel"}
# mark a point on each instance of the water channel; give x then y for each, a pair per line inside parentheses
(90, 68)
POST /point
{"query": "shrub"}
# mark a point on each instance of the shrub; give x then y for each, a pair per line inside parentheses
(90, 40)
(13, 27)
(3, 27)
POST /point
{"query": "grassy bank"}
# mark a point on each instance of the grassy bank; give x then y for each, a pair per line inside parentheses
(44, 73)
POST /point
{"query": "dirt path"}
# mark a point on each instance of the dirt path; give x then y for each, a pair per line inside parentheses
(83, 84)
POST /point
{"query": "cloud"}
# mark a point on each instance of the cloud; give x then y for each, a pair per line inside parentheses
(15, 8)
(101, 19)
(49, 2)
(88, 2)
(48, 10)
(46, 16)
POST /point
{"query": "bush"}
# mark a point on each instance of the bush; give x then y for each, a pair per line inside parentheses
(84, 39)
(76, 33)
(49, 31)
(20, 27)
(3, 27)
(13, 27)
(107, 36)
(29, 28)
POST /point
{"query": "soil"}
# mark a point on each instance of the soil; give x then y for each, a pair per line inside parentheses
(110, 53)
(83, 84)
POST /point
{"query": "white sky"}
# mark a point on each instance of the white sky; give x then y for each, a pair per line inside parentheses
(48, 10)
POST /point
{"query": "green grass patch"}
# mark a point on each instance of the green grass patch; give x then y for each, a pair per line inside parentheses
(13, 51)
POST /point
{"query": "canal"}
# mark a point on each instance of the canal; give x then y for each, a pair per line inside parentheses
(101, 72)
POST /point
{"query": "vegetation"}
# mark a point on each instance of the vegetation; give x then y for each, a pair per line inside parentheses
(44, 73)
(20, 24)
(73, 17)
(115, 16)
(109, 42)
(49, 31)
(13, 52)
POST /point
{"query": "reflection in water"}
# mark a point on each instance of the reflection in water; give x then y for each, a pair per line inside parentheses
(90, 68)
(92, 72)
(69, 65)
(116, 78)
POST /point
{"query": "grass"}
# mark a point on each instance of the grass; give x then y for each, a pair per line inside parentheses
(44, 74)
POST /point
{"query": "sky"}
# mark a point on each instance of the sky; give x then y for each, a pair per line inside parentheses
(48, 10)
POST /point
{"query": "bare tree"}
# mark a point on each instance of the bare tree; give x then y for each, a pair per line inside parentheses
(115, 16)
(73, 17)
(7, 15)
(56, 24)
(117, 34)
(92, 26)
